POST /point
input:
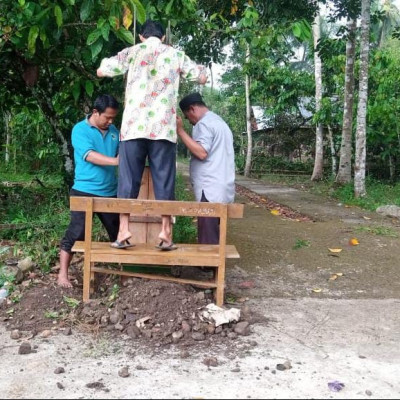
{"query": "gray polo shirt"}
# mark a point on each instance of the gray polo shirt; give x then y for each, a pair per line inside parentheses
(216, 174)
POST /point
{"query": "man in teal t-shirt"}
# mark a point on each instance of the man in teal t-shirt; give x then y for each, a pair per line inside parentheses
(95, 141)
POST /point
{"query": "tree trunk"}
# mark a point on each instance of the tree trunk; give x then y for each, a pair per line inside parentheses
(48, 110)
(319, 140)
(247, 168)
(361, 132)
(7, 119)
(333, 151)
(344, 173)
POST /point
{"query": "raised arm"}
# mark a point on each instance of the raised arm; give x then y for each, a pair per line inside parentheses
(114, 66)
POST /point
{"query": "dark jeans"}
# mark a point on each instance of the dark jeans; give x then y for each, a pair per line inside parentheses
(76, 228)
(207, 228)
(162, 162)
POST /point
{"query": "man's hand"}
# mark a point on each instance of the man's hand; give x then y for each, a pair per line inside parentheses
(179, 125)
(100, 73)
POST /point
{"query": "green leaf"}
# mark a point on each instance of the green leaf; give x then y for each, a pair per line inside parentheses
(58, 15)
(93, 36)
(125, 35)
(76, 90)
(140, 10)
(32, 36)
(89, 87)
(96, 48)
(86, 9)
(169, 6)
(21, 2)
(105, 31)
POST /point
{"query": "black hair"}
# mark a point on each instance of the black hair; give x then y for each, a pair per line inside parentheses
(105, 101)
(152, 28)
(195, 103)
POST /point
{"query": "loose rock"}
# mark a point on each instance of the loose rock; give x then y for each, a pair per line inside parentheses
(124, 372)
(25, 348)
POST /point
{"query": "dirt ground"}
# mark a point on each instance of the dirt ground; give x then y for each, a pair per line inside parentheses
(312, 316)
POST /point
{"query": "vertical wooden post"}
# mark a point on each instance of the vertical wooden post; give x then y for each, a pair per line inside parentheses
(220, 275)
(88, 244)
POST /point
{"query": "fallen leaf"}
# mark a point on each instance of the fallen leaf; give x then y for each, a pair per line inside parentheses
(275, 212)
(339, 273)
(367, 218)
(333, 277)
(335, 250)
(354, 242)
(317, 290)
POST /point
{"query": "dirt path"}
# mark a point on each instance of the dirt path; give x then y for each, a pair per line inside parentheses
(344, 328)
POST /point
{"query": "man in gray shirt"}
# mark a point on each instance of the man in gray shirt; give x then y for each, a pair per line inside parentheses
(212, 164)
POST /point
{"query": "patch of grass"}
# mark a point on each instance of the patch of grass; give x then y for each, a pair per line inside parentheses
(378, 193)
(51, 314)
(184, 230)
(378, 230)
(300, 243)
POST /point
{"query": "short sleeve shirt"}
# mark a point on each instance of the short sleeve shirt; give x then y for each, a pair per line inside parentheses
(154, 71)
(215, 176)
(99, 180)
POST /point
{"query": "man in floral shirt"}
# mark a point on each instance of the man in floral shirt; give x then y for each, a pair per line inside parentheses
(149, 120)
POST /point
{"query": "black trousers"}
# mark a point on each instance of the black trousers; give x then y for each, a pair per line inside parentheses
(132, 160)
(207, 227)
(76, 227)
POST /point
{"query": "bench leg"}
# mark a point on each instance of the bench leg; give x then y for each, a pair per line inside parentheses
(86, 278)
(220, 281)
(91, 278)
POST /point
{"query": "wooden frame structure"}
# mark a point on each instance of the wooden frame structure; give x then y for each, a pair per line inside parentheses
(146, 253)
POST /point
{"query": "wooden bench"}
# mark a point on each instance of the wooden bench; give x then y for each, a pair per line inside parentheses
(146, 253)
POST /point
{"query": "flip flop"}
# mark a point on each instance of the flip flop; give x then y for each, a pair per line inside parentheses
(123, 244)
(170, 247)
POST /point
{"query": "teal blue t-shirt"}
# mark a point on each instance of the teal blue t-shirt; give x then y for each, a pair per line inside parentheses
(90, 178)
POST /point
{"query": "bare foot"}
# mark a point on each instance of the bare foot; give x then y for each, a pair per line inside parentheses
(165, 239)
(123, 236)
(64, 282)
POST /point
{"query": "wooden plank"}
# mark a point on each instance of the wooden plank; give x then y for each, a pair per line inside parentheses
(235, 210)
(220, 272)
(205, 284)
(149, 207)
(87, 264)
(196, 249)
(146, 219)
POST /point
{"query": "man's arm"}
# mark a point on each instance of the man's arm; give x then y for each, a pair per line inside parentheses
(114, 66)
(194, 147)
(100, 159)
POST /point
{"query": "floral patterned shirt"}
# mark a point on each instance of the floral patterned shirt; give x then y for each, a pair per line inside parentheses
(154, 70)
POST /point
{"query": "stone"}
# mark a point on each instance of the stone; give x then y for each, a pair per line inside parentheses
(46, 333)
(15, 334)
(198, 336)
(26, 264)
(242, 328)
(14, 271)
(177, 336)
(186, 326)
(124, 372)
(133, 331)
(59, 370)
(25, 348)
(211, 362)
(115, 317)
(389, 211)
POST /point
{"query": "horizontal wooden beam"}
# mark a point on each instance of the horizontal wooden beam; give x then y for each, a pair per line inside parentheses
(203, 284)
(156, 207)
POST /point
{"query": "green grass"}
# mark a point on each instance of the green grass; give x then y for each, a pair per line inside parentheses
(378, 193)
(378, 230)
(300, 243)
